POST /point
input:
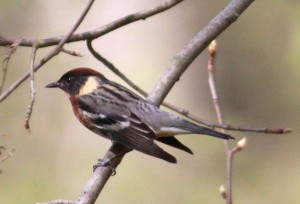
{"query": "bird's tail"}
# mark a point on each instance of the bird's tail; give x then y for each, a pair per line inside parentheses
(205, 131)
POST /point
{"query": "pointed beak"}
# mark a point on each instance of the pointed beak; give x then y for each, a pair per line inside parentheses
(53, 85)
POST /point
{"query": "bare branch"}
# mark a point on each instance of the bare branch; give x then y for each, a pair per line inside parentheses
(96, 33)
(50, 55)
(179, 110)
(32, 90)
(59, 201)
(184, 57)
(101, 175)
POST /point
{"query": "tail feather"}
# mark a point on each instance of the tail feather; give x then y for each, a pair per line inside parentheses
(205, 131)
(163, 155)
(172, 141)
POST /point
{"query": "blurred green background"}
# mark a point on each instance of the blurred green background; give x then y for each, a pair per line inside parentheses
(257, 79)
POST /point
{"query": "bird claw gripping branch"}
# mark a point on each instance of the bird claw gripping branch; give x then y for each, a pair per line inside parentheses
(105, 163)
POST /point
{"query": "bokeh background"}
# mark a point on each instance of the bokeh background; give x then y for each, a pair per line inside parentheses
(257, 79)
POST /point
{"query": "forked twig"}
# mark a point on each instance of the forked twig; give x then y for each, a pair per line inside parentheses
(225, 192)
(10, 51)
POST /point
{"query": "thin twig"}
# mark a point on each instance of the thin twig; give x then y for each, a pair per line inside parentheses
(10, 51)
(50, 55)
(213, 125)
(32, 90)
(179, 110)
(211, 81)
(73, 53)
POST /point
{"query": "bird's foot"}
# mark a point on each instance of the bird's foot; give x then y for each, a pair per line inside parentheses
(105, 163)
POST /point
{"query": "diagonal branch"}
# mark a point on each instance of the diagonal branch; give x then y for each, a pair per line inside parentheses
(50, 55)
(186, 56)
(101, 175)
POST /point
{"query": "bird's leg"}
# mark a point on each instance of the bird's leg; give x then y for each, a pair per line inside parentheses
(108, 162)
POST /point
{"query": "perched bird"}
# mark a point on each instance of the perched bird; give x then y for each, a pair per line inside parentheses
(114, 112)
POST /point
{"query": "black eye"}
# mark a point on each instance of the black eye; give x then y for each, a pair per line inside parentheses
(69, 79)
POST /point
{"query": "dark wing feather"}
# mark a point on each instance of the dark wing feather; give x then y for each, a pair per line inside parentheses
(143, 144)
(172, 141)
(103, 114)
(107, 117)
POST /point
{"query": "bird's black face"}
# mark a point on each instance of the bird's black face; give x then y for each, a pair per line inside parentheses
(69, 83)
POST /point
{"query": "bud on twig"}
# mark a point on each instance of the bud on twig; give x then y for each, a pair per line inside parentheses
(222, 191)
(212, 48)
(241, 144)
(287, 130)
(73, 53)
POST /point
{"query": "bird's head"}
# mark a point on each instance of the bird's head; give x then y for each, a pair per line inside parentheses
(78, 81)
